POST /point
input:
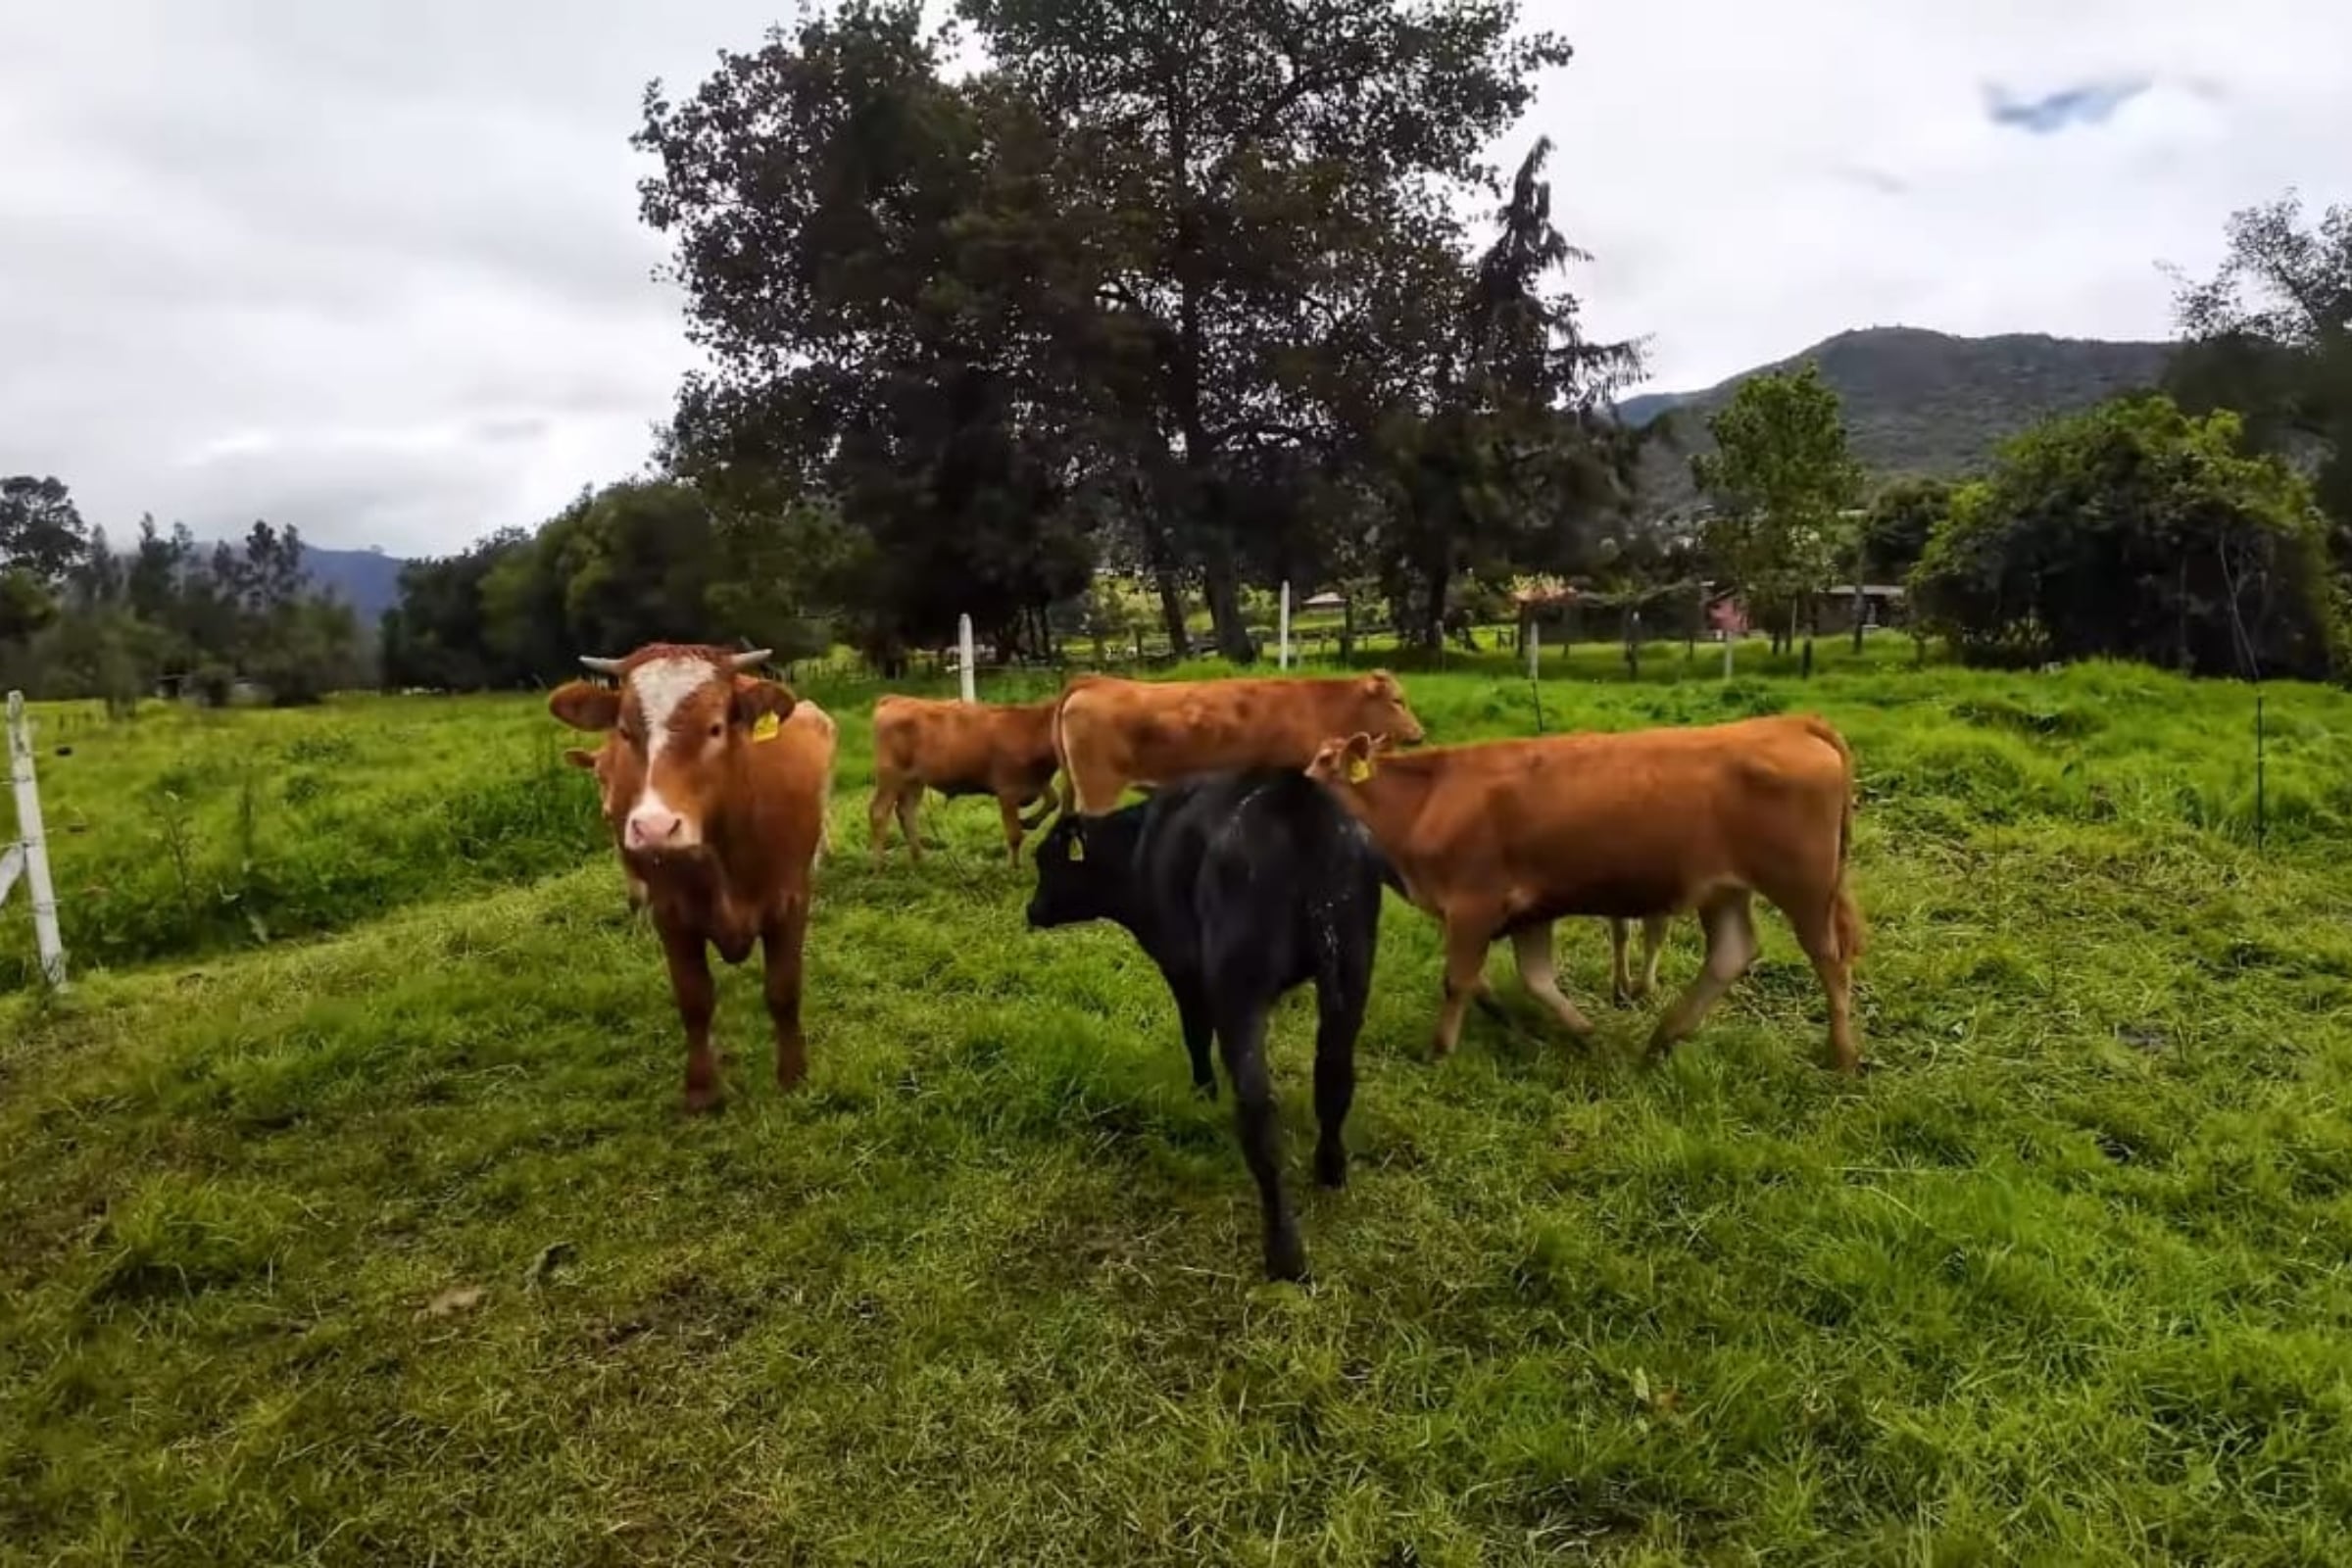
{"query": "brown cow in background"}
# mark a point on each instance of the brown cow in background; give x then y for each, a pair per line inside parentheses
(599, 765)
(1003, 749)
(715, 787)
(1111, 733)
(1502, 838)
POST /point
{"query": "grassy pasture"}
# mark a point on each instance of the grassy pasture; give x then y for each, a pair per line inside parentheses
(351, 1217)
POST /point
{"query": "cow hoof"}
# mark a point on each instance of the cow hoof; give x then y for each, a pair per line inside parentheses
(1331, 1167)
(1286, 1262)
(1204, 1089)
(701, 1102)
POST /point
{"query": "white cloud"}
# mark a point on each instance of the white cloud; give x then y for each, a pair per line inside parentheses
(375, 270)
(1751, 181)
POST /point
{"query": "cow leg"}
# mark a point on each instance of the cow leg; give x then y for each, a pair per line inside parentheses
(1341, 990)
(1008, 808)
(782, 941)
(1818, 937)
(1621, 984)
(1653, 942)
(697, 998)
(1241, 1034)
(1622, 989)
(1731, 947)
(877, 818)
(1046, 804)
(1530, 945)
(1193, 1010)
(910, 799)
(1093, 789)
(1465, 978)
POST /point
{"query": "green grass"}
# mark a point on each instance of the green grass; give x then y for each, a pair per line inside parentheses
(2061, 1282)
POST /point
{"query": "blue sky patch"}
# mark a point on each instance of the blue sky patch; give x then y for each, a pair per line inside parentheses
(2086, 102)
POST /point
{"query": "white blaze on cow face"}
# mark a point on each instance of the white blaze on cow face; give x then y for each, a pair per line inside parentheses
(661, 687)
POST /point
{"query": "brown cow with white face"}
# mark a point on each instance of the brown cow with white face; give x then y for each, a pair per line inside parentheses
(715, 786)
(1112, 733)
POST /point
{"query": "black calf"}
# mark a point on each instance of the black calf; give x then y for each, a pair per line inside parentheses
(1240, 886)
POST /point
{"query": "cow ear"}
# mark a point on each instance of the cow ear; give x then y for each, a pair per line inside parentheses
(756, 700)
(584, 705)
(578, 757)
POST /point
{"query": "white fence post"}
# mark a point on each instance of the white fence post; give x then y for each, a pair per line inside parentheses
(28, 858)
(1534, 646)
(1286, 624)
(963, 649)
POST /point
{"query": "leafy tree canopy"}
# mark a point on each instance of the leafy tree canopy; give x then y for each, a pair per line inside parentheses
(2270, 334)
(1779, 477)
(2138, 531)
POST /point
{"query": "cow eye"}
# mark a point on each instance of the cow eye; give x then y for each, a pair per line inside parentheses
(716, 730)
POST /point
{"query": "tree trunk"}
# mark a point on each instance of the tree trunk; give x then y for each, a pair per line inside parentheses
(1223, 590)
(1219, 579)
(1172, 610)
(1347, 628)
(1861, 599)
(1436, 572)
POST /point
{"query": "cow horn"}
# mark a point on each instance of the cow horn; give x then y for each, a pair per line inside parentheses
(603, 666)
(750, 658)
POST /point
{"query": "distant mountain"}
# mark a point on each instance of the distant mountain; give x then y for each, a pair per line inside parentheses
(1916, 402)
(1645, 407)
(368, 580)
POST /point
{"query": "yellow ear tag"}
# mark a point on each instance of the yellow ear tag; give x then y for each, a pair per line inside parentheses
(1359, 769)
(1077, 849)
(765, 727)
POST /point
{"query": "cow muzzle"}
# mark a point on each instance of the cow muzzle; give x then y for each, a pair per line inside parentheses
(656, 828)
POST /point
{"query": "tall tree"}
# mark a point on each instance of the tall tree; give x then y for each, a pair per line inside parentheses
(872, 263)
(1894, 533)
(2270, 334)
(1510, 458)
(1778, 477)
(1250, 164)
(41, 532)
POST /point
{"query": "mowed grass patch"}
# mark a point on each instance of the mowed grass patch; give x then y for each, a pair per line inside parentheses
(395, 1245)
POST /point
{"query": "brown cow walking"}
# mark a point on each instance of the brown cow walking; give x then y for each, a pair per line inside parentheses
(1506, 837)
(958, 748)
(715, 787)
(1111, 733)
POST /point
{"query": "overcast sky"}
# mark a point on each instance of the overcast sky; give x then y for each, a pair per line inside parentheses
(375, 269)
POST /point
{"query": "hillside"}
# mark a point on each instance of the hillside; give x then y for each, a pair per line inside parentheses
(1916, 401)
(368, 580)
